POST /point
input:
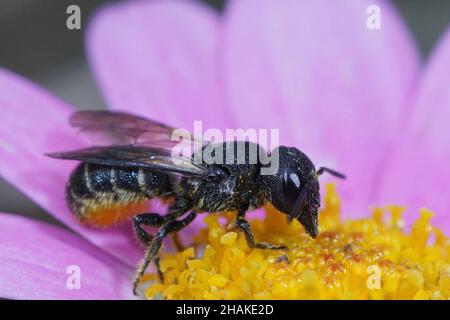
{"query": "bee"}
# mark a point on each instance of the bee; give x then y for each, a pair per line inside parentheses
(113, 182)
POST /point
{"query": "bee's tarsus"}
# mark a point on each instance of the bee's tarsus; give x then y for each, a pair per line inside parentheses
(244, 226)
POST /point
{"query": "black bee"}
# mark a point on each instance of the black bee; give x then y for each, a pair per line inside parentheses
(114, 182)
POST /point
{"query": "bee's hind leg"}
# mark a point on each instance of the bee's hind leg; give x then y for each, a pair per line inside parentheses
(244, 226)
(156, 220)
(151, 220)
(155, 245)
(147, 219)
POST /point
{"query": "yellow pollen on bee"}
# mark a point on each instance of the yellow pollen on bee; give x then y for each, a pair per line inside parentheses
(108, 214)
(370, 258)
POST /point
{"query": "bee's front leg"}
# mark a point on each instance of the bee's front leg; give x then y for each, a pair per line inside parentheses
(244, 226)
(155, 245)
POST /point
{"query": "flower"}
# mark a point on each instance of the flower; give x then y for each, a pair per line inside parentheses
(352, 98)
(369, 258)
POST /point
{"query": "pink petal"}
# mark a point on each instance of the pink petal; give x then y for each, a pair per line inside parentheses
(419, 172)
(335, 88)
(33, 123)
(36, 260)
(159, 59)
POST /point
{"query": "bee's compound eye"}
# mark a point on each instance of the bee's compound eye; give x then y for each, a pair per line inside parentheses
(291, 188)
(217, 173)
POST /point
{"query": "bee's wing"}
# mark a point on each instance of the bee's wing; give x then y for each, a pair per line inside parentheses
(122, 128)
(135, 156)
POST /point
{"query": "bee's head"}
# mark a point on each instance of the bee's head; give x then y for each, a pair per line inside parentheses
(294, 189)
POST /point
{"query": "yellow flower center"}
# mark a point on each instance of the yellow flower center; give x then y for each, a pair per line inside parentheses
(371, 258)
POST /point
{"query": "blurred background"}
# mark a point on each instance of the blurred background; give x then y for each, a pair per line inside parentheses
(35, 43)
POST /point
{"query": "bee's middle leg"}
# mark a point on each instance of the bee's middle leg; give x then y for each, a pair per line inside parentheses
(244, 226)
(155, 245)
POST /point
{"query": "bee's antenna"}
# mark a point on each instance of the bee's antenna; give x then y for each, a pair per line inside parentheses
(330, 171)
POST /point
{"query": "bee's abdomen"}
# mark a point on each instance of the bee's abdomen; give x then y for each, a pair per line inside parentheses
(102, 195)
